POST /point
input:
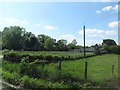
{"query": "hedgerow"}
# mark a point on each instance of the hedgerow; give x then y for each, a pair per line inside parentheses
(14, 56)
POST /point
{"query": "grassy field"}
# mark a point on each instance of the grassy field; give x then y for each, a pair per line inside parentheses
(99, 68)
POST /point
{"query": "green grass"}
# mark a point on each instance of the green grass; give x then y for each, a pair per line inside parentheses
(99, 68)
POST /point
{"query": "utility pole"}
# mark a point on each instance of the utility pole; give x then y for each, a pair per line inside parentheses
(84, 39)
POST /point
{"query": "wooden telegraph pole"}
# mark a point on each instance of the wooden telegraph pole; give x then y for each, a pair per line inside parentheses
(84, 39)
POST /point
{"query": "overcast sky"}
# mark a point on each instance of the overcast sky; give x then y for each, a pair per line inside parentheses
(64, 20)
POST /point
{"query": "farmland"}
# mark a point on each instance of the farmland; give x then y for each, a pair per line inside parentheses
(70, 75)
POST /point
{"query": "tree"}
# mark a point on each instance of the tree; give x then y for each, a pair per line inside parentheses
(34, 44)
(97, 50)
(13, 37)
(115, 49)
(27, 44)
(78, 47)
(50, 44)
(61, 45)
(31, 42)
(109, 42)
(74, 42)
(72, 45)
(42, 38)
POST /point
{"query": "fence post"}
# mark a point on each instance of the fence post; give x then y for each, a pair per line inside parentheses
(85, 70)
(112, 69)
(59, 65)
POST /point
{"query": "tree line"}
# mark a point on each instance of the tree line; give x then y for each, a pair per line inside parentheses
(17, 38)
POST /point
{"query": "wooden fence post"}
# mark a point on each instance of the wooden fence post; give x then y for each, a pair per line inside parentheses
(85, 70)
(59, 65)
(112, 69)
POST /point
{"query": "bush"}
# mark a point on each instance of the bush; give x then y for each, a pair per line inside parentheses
(49, 58)
(5, 51)
(56, 58)
(115, 49)
(31, 83)
(25, 55)
(40, 62)
(12, 78)
(32, 69)
(12, 56)
(23, 69)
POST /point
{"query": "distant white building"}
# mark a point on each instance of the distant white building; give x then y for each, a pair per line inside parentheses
(87, 49)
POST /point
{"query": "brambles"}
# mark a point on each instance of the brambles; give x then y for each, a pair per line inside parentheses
(16, 56)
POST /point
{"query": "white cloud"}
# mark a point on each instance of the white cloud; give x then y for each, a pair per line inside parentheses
(94, 36)
(50, 27)
(108, 8)
(10, 20)
(98, 33)
(98, 11)
(13, 21)
(23, 22)
(6, 22)
(116, 8)
(113, 24)
(68, 37)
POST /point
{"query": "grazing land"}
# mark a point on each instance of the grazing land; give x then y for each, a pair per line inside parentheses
(71, 74)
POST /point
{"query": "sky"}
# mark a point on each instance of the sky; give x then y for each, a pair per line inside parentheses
(64, 20)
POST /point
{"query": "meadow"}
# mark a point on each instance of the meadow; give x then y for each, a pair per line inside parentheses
(71, 74)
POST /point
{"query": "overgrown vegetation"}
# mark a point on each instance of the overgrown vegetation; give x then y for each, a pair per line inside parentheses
(16, 56)
(71, 75)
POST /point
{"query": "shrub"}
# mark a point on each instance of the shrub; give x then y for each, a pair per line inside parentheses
(49, 58)
(23, 69)
(29, 83)
(12, 56)
(5, 51)
(115, 49)
(57, 58)
(12, 78)
(40, 62)
(25, 55)
(31, 69)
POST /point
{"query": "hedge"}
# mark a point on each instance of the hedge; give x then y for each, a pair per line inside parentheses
(14, 56)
